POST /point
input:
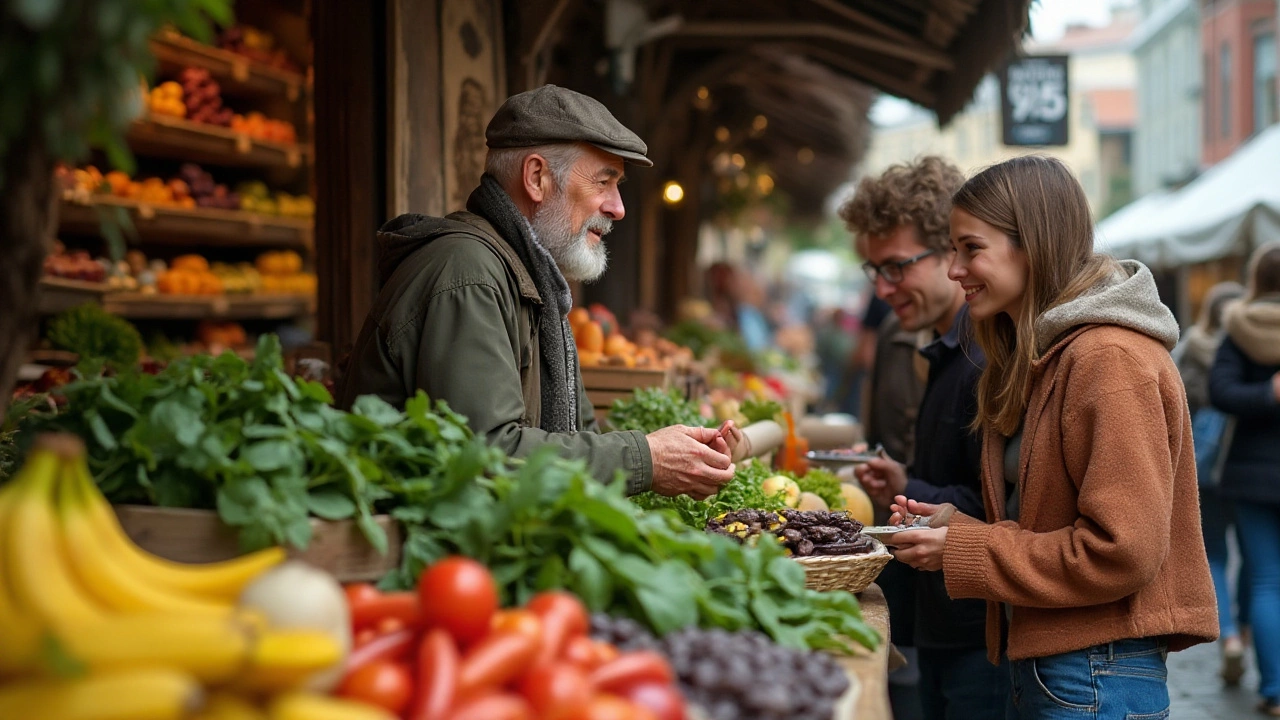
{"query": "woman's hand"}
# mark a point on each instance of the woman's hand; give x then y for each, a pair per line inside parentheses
(905, 511)
(921, 549)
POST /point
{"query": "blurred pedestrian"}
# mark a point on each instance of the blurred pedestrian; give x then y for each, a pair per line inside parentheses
(1209, 429)
(1091, 558)
(1245, 382)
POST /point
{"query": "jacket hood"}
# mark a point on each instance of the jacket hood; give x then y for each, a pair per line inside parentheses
(401, 236)
(1255, 328)
(1201, 346)
(1128, 298)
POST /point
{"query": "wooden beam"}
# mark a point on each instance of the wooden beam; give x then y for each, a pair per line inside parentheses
(737, 29)
(535, 54)
(863, 71)
(857, 16)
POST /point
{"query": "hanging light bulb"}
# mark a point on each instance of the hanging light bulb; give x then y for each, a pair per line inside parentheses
(672, 192)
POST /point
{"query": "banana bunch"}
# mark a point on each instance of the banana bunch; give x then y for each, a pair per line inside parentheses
(94, 628)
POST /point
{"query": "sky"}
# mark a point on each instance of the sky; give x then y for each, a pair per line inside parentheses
(1049, 19)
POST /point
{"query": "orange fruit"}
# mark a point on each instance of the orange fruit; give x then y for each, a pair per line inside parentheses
(577, 316)
(616, 344)
(590, 337)
(587, 358)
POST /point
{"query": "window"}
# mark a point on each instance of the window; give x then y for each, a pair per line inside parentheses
(1224, 91)
(1264, 81)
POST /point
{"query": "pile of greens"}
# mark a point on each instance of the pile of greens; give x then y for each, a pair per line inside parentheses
(757, 410)
(96, 336)
(267, 451)
(823, 484)
(650, 409)
(550, 525)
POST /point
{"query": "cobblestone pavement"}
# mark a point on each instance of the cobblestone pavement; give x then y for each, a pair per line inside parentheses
(1196, 691)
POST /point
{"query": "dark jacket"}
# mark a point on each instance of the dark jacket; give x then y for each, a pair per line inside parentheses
(457, 317)
(1240, 384)
(948, 468)
(894, 389)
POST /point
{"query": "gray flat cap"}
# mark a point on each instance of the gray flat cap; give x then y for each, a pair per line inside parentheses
(554, 114)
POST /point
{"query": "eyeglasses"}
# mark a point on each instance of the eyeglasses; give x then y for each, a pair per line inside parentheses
(892, 271)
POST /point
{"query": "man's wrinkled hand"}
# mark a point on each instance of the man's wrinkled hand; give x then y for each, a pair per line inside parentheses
(883, 479)
(689, 461)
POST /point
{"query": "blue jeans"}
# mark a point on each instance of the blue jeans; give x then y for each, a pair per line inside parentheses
(1259, 531)
(962, 685)
(1123, 680)
(1217, 520)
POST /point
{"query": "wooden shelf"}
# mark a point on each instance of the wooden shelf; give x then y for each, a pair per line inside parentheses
(238, 75)
(163, 136)
(60, 294)
(211, 226)
(141, 306)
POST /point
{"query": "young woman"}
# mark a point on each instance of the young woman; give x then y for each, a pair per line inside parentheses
(1245, 382)
(1194, 356)
(1092, 560)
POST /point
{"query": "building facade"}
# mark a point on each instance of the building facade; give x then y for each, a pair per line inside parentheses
(1166, 47)
(1239, 60)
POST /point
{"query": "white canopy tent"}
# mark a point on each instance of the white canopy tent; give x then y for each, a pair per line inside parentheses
(1229, 210)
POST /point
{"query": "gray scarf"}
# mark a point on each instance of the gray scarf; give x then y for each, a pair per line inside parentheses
(559, 354)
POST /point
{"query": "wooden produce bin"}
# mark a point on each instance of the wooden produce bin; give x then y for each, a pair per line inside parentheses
(605, 384)
(199, 536)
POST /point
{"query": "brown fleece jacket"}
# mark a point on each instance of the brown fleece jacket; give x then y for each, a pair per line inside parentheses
(1108, 543)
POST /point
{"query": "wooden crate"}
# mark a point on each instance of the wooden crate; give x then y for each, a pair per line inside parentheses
(199, 536)
(606, 384)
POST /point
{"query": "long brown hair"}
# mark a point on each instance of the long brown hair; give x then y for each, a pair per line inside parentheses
(1039, 204)
(1264, 271)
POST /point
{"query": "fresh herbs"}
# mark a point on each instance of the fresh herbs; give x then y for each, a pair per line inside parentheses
(266, 450)
(757, 410)
(549, 525)
(824, 485)
(97, 336)
(651, 409)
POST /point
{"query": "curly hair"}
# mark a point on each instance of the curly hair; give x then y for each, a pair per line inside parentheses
(916, 194)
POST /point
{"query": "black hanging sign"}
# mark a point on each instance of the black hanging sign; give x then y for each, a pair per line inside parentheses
(1035, 100)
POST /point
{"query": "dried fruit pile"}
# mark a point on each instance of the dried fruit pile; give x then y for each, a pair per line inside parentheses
(802, 532)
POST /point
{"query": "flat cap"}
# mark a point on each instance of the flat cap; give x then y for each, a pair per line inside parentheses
(552, 114)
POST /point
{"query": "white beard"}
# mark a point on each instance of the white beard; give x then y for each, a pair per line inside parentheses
(578, 258)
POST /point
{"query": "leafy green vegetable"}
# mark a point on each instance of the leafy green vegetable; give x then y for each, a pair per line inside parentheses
(550, 525)
(262, 448)
(743, 491)
(757, 410)
(824, 485)
(650, 409)
(97, 336)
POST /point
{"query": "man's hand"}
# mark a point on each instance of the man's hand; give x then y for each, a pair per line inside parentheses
(689, 461)
(883, 479)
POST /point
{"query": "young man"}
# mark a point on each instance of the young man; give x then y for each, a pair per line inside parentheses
(472, 308)
(902, 220)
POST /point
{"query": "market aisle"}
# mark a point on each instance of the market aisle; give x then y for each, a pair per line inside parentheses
(1196, 690)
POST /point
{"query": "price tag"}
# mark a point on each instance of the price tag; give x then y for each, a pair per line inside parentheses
(244, 143)
(146, 212)
(239, 70)
(293, 156)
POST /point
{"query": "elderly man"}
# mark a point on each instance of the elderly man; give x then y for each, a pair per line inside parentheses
(473, 306)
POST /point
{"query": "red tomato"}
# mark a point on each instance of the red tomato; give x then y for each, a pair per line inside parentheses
(556, 690)
(604, 652)
(359, 593)
(495, 661)
(518, 621)
(580, 651)
(611, 707)
(385, 684)
(459, 595)
(373, 610)
(664, 700)
(502, 706)
(563, 617)
(632, 669)
(395, 646)
(438, 666)
(389, 625)
(364, 637)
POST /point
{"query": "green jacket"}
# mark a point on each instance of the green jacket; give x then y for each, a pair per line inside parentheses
(457, 317)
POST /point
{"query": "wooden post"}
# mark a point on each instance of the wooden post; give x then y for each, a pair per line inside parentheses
(415, 161)
(349, 155)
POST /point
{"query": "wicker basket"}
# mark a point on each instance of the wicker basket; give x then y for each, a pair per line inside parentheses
(845, 572)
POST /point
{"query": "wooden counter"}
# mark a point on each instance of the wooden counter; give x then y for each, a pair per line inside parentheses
(871, 668)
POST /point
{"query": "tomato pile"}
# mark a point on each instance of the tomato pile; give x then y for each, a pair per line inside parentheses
(447, 652)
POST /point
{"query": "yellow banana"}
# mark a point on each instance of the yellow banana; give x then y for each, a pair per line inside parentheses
(285, 659)
(305, 706)
(109, 576)
(152, 694)
(42, 582)
(225, 706)
(214, 581)
(213, 650)
(21, 636)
